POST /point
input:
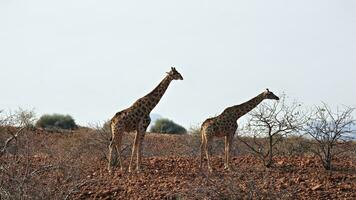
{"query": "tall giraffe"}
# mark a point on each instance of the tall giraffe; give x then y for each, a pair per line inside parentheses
(224, 125)
(137, 118)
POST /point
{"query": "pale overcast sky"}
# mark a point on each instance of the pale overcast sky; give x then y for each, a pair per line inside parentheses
(91, 59)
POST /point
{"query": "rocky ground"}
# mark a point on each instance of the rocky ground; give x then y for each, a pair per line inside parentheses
(72, 165)
(181, 178)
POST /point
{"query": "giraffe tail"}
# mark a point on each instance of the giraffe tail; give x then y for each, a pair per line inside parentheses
(202, 134)
(110, 130)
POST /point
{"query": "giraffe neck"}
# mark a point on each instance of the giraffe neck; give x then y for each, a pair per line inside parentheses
(156, 94)
(240, 110)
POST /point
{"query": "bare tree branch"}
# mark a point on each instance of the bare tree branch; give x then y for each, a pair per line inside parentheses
(328, 130)
(7, 142)
(273, 122)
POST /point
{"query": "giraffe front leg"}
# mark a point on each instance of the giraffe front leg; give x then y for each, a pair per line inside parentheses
(139, 152)
(138, 157)
(140, 137)
(226, 164)
(228, 142)
(134, 148)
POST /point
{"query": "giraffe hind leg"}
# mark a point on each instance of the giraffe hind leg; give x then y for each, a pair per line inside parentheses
(112, 156)
(207, 152)
(114, 148)
(118, 151)
(202, 148)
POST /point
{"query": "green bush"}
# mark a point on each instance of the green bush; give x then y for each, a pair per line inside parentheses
(56, 121)
(167, 126)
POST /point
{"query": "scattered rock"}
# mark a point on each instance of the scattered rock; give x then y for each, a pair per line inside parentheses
(317, 187)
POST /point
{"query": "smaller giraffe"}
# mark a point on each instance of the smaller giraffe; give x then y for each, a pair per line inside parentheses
(224, 125)
(136, 119)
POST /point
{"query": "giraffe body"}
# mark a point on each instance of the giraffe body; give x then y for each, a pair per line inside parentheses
(136, 118)
(225, 125)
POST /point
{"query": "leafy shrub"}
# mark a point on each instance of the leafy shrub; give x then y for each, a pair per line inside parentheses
(56, 121)
(167, 126)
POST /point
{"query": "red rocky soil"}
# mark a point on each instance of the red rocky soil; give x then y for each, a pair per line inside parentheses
(181, 178)
(73, 166)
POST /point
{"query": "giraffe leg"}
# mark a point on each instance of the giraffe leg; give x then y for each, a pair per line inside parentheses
(111, 159)
(142, 131)
(139, 152)
(202, 146)
(228, 141)
(134, 148)
(114, 145)
(118, 150)
(226, 152)
(207, 149)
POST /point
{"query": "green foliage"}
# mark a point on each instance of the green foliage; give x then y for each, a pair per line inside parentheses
(56, 121)
(167, 126)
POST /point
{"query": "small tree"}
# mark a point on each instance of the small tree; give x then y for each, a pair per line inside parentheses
(329, 131)
(101, 136)
(14, 124)
(56, 121)
(272, 121)
(167, 126)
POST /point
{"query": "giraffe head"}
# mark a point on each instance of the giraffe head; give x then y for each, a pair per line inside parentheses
(269, 95)
(174, 74)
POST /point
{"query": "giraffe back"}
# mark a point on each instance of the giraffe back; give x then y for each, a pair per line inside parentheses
(218, 126)
(129, 119)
